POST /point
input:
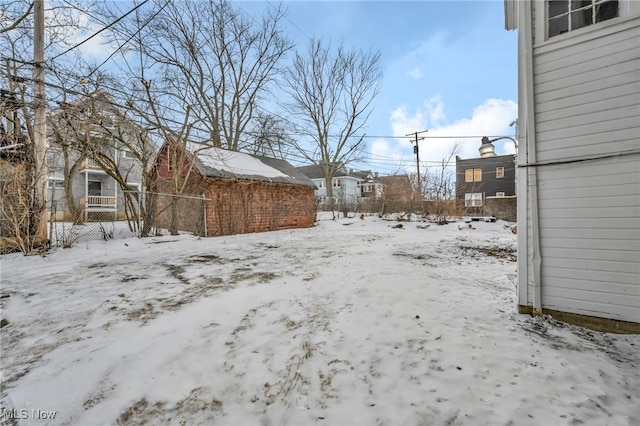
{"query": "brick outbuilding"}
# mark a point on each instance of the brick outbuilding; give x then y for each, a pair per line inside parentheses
(225, 192)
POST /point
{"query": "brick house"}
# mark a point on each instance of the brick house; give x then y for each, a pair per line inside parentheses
(230, 192)
(489, 177)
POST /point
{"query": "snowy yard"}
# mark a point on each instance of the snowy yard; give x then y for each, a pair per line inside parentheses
(350, 322)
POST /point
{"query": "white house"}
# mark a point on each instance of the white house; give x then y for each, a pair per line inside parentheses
(349, 186)
(74, 139)
(579, 157)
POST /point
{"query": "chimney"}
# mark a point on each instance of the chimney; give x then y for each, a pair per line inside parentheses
(487, 149)
(375, 175)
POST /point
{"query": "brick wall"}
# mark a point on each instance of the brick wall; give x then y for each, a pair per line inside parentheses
(235, 206)
(239, 206)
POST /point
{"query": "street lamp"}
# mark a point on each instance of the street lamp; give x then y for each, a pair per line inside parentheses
(486, 140)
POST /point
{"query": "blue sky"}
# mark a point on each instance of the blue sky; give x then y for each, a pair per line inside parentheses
(449, 66)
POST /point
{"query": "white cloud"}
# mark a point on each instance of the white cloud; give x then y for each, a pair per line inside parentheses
(491, 118)
(403, 123)
(435, 107)
(415, 73)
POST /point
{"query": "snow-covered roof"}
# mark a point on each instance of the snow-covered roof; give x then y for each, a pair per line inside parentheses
(314, 171)
(217, 162)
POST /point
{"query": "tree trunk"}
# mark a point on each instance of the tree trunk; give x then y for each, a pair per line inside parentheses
(173, 228)
(75, 211)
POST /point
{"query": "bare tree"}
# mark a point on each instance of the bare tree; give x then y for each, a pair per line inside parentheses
(212, 59)
(16, 43)
(96, 128)
(270, 136)
(66, 150)
(331, 94)
(14, 12)
(440, 185)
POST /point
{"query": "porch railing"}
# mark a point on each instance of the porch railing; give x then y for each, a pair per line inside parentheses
(100, 202)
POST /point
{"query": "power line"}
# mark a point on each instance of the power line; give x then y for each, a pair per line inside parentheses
(129, 39)
(101, 30)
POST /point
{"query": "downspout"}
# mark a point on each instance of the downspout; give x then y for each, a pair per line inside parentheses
(532, 173)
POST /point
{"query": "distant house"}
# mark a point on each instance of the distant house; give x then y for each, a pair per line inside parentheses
(228, 192)
(481, 180)
(579, 158)
(78, 133)
(350, 187)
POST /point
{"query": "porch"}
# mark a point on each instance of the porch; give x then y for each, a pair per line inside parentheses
(100, 193)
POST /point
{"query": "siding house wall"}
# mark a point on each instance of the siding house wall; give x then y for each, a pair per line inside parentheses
(580, 131)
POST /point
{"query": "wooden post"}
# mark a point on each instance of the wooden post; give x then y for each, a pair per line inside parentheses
(40, 126)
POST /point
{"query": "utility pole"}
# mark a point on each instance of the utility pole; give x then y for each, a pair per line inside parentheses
(416, 151)
(39, 126)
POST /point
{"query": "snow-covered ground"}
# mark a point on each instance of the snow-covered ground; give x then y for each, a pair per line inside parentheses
(350, 322)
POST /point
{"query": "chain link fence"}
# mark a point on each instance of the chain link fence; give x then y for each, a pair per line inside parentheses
(181, 213)
(120, 219)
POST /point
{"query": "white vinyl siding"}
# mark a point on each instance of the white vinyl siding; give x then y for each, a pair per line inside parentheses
(591, 248)
(585, 106)
(587, 102)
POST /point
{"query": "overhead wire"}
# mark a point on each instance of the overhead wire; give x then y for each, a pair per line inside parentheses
(100, 31)
(129, 39)
(392, 160)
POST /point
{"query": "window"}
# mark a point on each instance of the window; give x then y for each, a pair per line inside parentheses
(499, 172)
(169, 163)
(473, 175)
(95, 188)
(468, 175)
(54, 183)
(128, 154)
(473, 199)
(320, 183)
(337, 183)
(569, 15)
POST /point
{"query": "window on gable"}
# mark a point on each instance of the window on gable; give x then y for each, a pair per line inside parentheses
(569, 15)
(169, 162)
(337, 183)
(499, 172)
